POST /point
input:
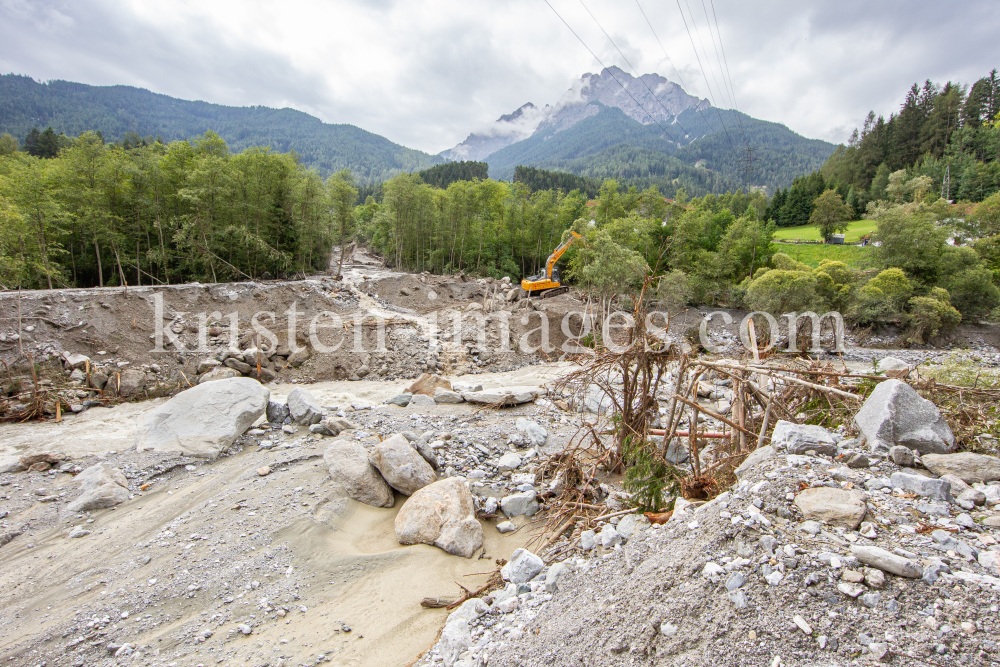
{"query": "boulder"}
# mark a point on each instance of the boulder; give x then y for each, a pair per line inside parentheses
(427, 383)
(401, 465)
(203, 420)
(276, 412)
(893, 367)
(220, 373)
(509, 461)
(349, 467)
(522, 567)
(503, 395)
(937, 489)
(11, 464)
(837, 507)
(970, 468)
(421, 401)
(895, 414)
(519, 504)
(102, 486)
(402, 400)
(801, 438)
(296, 359)
(129, 383)
(73, 360)
(441, 514)
(456, 636)
(426, 451)
(205, 365)
(236, 364)
(303, 407)
(532, 430)
(442, 395)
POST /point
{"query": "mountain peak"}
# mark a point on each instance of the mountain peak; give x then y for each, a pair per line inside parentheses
(647, 99)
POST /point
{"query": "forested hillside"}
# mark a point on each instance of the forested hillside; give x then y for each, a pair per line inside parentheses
(116, 111)
(609, 144)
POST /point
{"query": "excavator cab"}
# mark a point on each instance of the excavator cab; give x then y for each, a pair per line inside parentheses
(546, 283)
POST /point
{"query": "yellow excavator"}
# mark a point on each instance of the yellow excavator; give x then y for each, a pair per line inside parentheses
(546, 283)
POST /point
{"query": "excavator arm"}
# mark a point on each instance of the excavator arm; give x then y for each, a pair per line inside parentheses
(558, 252)
(545, 282)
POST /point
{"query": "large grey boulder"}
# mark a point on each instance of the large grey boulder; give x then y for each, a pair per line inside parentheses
(101, 486)
(895, 414)
(519, 504)
(970, 468)
(401, 465)
(303, 407)
(801, 438)
(350, 468)
(203, 420)
(441, 514)
(837, 507)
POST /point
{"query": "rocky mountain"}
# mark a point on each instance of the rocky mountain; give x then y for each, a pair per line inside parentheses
(649, 98)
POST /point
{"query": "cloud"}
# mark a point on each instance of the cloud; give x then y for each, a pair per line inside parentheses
(425, 73)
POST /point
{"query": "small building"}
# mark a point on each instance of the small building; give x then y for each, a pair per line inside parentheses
(836, 239)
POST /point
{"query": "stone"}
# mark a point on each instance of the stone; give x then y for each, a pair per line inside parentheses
(299, 357)
(503, 395)
(974, 496)
(738, 598)
(238, 365)
(402, 400)
(11, 464)
(627, 525)
(588, 540)
(801, 438)
(421, 401)
(456, 636)
(522, 567)
(879, 650)
(401, 465)
(596, 400)
(460, 387)
(532, 431)
(991, 561)
(303, 407)
(98, 380)
(426, 383)
(609, 536)
(349, 467)
(519, 504)
(75, 361)
(509, 461)
(858, 460)
(895, 414)
(875, 578)
(970, 468)
(937, 489)
(837, 507)
(102, 486)
(850, 590)
(220, 373)
(756, 457)
(887, 561)
(506, 527)
(802, 625)
(735, 580)
(129, 383)
(442, 395)
(427, 452)
(441, 514)
(893, 367)
(203, 420)
(322, 429)
(77, 532)
(263, 471)
(902, 456)
(276, 412)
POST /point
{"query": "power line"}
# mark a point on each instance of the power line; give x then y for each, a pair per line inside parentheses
(603, 66)
(634, 70)
(695, 48)
(672, 66)
(732, 89)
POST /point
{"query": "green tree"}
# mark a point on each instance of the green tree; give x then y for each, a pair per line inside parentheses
(343, 193)
(912, 242)
(830, 214)
(8, 145)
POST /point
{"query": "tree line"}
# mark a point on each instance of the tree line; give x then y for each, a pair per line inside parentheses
(136, 213)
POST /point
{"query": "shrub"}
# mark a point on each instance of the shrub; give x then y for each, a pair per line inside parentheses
(882, 298)
(928, 317)
(969, 283)
(780, 291)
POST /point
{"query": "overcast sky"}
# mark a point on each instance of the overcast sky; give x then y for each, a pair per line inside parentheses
(424, 73)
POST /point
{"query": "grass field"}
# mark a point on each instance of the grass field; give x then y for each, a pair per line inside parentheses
(854, 256)
(855, 231)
